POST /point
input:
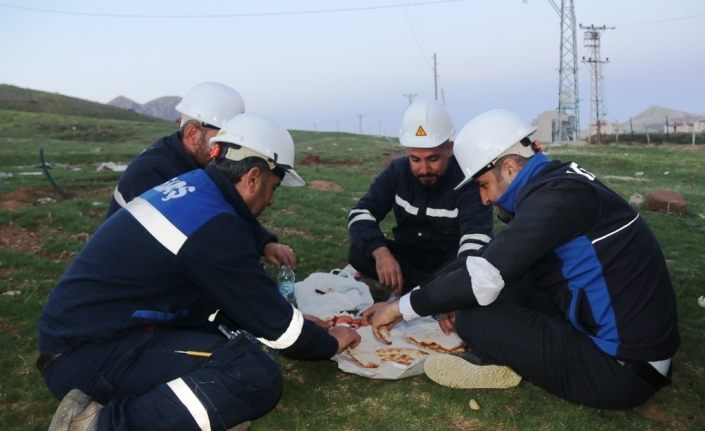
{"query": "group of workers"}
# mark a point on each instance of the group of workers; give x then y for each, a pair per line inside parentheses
(148, 327)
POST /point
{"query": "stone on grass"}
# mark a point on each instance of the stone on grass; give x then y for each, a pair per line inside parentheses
(666, 201)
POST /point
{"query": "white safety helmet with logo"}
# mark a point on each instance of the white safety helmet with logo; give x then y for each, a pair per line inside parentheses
(249, 135)
(426, 124)
(489, 136)
(210, 103)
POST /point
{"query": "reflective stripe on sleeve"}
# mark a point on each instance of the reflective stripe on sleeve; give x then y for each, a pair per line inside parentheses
(486, 280)
(118, 197)
(156, 224)
(191, 402)
(361, 215)
(469, 246)
(473, 241)
(289, 336)
(478, 237)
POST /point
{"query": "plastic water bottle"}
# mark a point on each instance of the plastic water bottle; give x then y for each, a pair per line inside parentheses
(285, 281)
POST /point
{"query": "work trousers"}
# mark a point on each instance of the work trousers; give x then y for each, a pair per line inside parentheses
(145, 385)
(547, 351)
(416, 263)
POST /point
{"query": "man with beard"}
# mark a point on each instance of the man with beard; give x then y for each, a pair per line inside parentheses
(204, 109)
(574, 295)
(435, 223)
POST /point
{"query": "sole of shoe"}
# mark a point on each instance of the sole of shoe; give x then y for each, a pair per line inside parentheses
(70, 406)
(455, 372)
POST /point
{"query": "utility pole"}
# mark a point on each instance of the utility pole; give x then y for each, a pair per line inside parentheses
(359, 122)
(435, 77)
(410, 97)
(443, 97)
(591, 41)
(568, 100)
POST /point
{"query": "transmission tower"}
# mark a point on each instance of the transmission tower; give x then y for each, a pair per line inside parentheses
(568, 101)
(410, 97)
(591, 41)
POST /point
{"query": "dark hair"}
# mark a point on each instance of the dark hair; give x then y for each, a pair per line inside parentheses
(234, 170)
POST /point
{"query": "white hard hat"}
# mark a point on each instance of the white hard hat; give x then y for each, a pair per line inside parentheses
(211, 103)
(488, 137)
(256, 136)
(426, 124)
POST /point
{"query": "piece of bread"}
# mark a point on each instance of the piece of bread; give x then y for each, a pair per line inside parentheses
(358, 357)
(432, 345)
(384, 334)
(402, 355)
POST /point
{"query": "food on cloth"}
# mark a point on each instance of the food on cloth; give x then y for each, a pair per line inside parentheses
(433, 345)
(384, 334)
(346, 319)
(361, 359)
(401, 355)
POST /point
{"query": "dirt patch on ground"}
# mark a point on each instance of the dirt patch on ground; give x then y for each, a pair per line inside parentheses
(295, 232)
(317, 160)
(25, 197)
(14, 237)
(325, 185)
(658, 414)
(393, 156)
(6, 327)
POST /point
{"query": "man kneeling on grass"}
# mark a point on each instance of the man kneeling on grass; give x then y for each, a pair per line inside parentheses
(607, 336)
(125, 337)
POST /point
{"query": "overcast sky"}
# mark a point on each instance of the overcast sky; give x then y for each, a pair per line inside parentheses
(318, 64)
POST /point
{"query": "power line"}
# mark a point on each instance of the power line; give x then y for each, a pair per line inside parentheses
(592, 42)
(230, 15)
(664, 20)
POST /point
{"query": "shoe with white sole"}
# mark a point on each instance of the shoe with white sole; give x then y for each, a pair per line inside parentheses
(76, 412)
(455, 371)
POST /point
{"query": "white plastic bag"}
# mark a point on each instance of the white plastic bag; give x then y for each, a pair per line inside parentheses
(326, 294)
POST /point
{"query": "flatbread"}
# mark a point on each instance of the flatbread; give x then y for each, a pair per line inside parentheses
(433, 345)
(401, 355)
(360, 360)
(384, 334)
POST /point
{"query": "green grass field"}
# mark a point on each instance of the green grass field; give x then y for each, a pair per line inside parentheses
(38, 241)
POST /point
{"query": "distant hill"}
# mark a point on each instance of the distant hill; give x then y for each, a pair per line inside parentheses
(653, 119)
(163, 107)
(23, 99)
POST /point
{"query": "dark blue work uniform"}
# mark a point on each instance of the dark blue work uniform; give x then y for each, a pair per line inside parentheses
(434, 225)
(608, 337)
(162, 161)
(144, 286)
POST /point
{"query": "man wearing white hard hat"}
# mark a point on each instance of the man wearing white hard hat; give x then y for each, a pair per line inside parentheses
(204, 110)
(609, 331)
(434, 222)
(121, 336)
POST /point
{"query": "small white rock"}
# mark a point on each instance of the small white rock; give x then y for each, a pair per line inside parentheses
(473, 404)
(636, 199)
(701, 301)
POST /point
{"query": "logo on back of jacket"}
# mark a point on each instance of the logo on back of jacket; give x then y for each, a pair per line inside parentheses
(174, 189)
